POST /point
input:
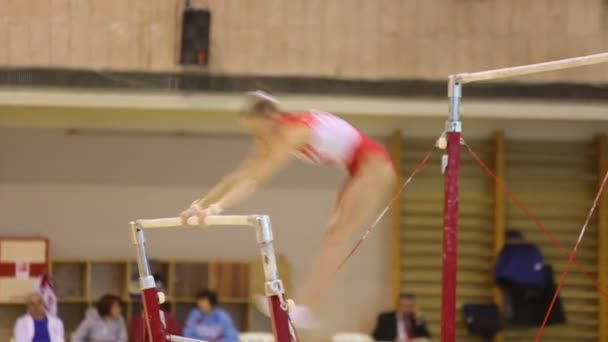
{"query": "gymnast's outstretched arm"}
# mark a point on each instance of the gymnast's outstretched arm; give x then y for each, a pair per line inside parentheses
(232, 179)
(266, 160)
(274, 158)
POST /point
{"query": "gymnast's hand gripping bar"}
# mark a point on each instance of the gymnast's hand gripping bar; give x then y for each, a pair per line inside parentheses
(218, 220)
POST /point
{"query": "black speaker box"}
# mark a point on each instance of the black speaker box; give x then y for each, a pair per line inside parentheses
(196, 26)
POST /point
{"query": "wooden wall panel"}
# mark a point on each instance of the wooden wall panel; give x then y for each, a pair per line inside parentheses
(101, 32)
(557, 181)
(397, 247)
(4, 32)
(336, 38)
(80, 40)
(60, 47)
(421, 234)
(189, 279)
(602, 239)
(40, 32)
(121, 33)
(231, 280)
(18, 33)
(165, 31)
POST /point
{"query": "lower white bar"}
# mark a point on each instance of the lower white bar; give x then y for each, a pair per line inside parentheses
(219, 220)
(183, 339)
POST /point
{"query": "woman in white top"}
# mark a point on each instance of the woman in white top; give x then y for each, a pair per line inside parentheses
(37, 324)
(320, 138)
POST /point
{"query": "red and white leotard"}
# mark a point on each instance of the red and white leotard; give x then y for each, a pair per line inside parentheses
(334, 141)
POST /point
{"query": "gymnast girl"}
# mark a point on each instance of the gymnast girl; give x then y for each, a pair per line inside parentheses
(320, 138)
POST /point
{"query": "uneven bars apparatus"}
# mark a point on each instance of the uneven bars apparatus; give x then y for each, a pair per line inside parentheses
(451, 197)
(281, 324)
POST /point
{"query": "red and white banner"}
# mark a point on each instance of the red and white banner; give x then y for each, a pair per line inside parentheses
(22, 262)
(22, 270)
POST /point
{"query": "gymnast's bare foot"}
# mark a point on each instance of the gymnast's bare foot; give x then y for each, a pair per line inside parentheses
(261, 303)
(302, 316)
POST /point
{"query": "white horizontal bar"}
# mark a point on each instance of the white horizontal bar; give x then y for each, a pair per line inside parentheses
(220, 220)
(183, 339)
(532, 68)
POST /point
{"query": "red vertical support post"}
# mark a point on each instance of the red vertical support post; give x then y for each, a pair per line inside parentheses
(281, 325)
(279, 308)
(450, 216)
(450, 239)
(152, 311)
(155, 328)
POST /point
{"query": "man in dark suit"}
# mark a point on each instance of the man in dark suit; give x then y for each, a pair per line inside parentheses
(405, 324)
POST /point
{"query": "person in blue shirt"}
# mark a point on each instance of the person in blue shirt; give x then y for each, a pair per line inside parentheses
(208, 322)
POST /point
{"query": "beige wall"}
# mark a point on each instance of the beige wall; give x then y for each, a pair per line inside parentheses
(81, 192)
(337, 38)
